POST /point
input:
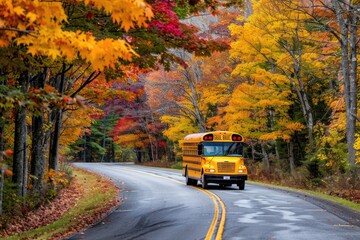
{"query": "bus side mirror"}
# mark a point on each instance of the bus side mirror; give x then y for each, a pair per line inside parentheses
(200, 149)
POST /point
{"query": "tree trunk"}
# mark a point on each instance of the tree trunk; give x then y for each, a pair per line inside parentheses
(351, 118)
(252, 151)
(265, 157)
(112, 152)
(25, 170)
(2, 148)
(89, 157)
(2, 189)
(57, 118)
(348, 20)
(38, 160)
(192, 77)
(54, 142)
(295, 50)
(20, 140)
(291, 156)
(156, 148)
(104, 139)
(150, 139)
(2, 131)
(138, 155)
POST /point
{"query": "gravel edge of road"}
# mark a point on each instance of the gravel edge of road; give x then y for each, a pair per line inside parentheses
(349, 215)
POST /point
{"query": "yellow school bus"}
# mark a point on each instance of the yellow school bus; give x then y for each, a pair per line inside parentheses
(214, 157)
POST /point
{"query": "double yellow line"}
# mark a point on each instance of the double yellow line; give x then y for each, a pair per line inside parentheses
(218, 222)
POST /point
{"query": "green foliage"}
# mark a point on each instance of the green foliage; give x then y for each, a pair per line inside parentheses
(124, 154)
(11, 202)
(9, 97)
(182, 12)
(177, 165)
(98, 135)
(96, 148)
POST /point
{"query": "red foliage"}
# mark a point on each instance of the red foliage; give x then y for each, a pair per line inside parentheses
(165, 19)
(96, 116)
(8, 173)
(168, 25)
(8, 153)
(67, 99)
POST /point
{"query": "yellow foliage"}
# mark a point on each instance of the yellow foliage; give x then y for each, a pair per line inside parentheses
(357, 148)
(134, 140)
(294, 126)
(178, 128)
(73, 126)
(261, 47)
(125, 12)
(56, 177)
(48, 37)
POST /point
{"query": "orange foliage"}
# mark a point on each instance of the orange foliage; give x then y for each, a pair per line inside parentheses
(44, 34)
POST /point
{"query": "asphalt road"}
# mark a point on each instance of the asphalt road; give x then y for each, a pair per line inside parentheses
(156, 204)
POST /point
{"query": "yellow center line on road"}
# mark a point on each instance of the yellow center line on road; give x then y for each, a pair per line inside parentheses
(211, 230)
(223, 218)
(215, 198)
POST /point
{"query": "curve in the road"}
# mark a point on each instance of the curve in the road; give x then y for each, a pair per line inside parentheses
(217, 224)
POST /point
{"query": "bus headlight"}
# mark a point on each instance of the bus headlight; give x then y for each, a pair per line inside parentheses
(242, 169)
(210, 170)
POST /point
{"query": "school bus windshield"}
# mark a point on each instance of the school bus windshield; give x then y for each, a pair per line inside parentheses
(223, 148)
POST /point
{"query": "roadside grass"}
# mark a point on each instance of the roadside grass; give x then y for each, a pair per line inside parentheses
(341, 201)
(96, 196)
(338, 200)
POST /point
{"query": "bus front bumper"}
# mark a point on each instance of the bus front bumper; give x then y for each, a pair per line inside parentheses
(225, 179)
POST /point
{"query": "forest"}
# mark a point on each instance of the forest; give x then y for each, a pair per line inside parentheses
(125, 80)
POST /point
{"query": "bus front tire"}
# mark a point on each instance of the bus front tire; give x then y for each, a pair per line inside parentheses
(241, 185)
(204, 183)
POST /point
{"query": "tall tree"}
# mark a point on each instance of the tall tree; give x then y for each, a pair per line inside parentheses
(38, 160)
(341, 19)
(276, 39)
(20, 159)
(182, 89)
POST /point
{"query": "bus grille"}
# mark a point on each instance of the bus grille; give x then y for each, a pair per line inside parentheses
(225, 167)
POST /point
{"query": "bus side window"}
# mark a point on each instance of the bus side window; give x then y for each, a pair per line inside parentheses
(200, 149)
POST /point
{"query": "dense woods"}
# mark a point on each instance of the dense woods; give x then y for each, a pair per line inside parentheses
(126, 80)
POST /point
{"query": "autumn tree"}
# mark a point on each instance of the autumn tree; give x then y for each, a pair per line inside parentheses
(190, 93)
(168, 32)
(341, 19)
(276, 39)
(31, 24)
(182, 92)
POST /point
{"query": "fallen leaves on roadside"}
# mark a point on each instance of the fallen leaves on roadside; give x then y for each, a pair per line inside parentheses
(349, 194)
(46, 213)
(54, 210)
